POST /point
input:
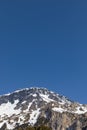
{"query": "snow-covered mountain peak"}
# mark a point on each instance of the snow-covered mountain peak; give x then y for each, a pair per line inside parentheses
(28, 104)
(38, 93)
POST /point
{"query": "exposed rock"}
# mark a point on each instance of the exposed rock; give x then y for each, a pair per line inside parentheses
(38, 106)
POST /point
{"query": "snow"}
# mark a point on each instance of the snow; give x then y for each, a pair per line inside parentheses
(33, 116)
(60, 110)
(1, 123)
(9, 109)
(5, 94)
(34, 95)
(46, 98)
(80, 110)
(62, 103)
(29, 106)
(10, 127)
(24, 102)
(19, 90)
(21, 119)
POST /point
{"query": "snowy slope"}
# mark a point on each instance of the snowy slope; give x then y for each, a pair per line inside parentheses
(27, 105)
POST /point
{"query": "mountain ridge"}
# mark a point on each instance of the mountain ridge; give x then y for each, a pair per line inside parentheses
(31, 105)
(27, 88)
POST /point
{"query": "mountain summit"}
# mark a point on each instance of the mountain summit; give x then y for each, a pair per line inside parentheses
(38, 106)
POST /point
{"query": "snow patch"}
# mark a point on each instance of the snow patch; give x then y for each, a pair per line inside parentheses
(9, 109)
(33, 116)
(34, 95)
(46, 98)
(24, 102)
(81, 110)
(60, 110)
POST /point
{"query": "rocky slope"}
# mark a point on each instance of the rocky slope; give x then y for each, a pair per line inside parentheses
(38, 106)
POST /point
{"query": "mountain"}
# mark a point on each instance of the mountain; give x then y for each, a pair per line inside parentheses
(39, 106)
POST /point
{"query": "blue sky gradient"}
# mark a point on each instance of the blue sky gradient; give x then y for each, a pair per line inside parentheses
(44, 44)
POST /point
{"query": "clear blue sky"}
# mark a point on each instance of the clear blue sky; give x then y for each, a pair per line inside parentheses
(44, 43)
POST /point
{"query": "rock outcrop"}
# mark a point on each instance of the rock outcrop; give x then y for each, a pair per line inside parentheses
(41, 107)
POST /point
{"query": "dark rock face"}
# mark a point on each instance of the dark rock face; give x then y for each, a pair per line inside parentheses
(84, 128)
(38, 106)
